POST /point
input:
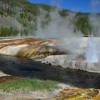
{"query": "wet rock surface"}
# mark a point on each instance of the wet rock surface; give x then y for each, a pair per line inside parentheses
(67, 61)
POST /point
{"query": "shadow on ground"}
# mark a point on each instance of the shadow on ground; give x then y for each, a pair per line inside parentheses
(28, 68)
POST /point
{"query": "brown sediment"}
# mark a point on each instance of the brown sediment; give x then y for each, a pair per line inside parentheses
(4, 43)
(24, 41)
(33, 45)
(8, 78)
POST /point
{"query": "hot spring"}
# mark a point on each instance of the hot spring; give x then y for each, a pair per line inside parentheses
(81, 53)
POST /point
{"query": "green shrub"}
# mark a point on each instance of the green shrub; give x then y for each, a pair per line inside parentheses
(82, 24)
(63, 13)
(4, 31)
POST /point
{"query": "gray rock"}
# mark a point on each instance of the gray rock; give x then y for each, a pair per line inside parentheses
(66, 61)
(93, 67)
(3, 74)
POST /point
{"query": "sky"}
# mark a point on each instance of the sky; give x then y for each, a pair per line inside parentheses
(74, 5)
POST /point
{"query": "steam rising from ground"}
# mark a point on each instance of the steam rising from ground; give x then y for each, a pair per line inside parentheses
(58, 27)
(94, 18)
(62, 27)
(95, 24)
(91, 52)
(95, 5)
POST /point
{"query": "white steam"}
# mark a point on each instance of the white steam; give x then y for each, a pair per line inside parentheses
(62, 27)
(56, 3)
(58, 27)
(95, 4)
(91, 52)
(94, 18)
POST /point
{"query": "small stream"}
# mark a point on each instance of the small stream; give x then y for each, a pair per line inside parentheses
(23, 67)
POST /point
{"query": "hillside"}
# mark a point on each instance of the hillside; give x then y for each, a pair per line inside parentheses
(20, 17)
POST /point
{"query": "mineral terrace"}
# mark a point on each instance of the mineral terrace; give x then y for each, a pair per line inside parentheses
(58, 52)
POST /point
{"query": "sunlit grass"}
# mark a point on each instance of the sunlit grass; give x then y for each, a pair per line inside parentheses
(28, 84)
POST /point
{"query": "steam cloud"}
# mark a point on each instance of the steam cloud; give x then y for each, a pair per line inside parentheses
(94, 18)
(58, 26)
(92, 52)
(62, 27)
(95, 4)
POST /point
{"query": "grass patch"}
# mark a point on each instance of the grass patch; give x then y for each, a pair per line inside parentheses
(28, 84)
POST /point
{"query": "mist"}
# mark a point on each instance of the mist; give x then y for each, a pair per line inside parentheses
(62, 27)
(94, 18)
(53, 25)
(95, 4)
(57, 26)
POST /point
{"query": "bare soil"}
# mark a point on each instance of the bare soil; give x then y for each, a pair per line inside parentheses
(8, 78)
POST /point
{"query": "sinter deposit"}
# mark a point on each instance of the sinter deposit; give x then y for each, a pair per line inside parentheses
(74, 53)
(64, 62)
